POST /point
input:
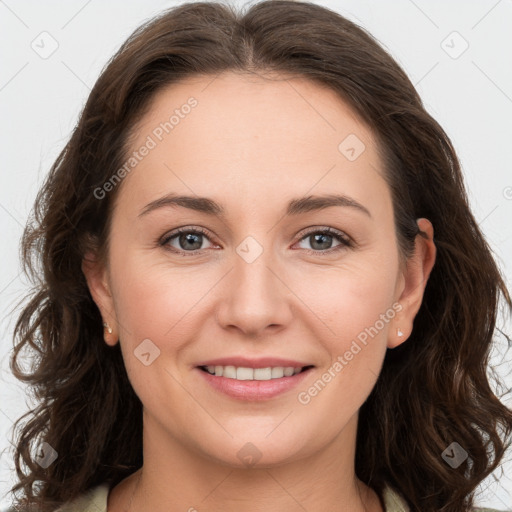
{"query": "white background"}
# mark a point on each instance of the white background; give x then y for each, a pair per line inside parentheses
(40, 99)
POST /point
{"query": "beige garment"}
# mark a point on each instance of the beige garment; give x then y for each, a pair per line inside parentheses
(393, 501)
(95, 500)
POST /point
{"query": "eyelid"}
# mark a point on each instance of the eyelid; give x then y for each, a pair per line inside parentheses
(346, 242)
(163, 241)
(323, 229)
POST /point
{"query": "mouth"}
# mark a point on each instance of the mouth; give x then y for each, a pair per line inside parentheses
(242, 373)
(246, 384)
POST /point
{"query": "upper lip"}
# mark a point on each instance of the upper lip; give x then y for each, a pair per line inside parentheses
(263, 362)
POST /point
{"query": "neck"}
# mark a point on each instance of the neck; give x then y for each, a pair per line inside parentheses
(322, 481)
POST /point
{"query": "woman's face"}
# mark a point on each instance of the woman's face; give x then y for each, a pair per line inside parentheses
(251, 282)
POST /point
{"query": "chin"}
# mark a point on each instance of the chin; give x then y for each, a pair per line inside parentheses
(259, 452)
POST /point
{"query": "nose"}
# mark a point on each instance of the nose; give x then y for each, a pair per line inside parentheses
(255, 297)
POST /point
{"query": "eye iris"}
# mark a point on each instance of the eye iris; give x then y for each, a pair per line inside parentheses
(192, 238)
(321, 237)
(193, 241)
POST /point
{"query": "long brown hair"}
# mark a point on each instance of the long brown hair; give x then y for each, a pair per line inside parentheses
(432, 390)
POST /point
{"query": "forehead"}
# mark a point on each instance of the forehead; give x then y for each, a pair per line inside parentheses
(248, 135)
(235, 107)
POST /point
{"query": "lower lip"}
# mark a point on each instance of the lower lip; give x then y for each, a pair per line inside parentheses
(253, 390)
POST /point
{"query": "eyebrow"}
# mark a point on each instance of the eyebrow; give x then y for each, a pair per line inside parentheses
(294, 207)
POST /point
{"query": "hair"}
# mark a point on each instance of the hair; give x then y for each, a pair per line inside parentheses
(432, 390)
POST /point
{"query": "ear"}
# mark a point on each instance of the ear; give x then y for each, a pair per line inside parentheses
(413, 282)
(96, 275)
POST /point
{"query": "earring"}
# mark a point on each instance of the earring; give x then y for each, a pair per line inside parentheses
(107, 334)
(399, 332)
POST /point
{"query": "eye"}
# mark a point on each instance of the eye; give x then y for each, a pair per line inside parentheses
(321, 240)
(190, 240)
(187, 240)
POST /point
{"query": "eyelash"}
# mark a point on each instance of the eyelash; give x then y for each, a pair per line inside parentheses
(345, 242)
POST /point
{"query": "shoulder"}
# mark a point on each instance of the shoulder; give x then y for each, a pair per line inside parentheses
(394, 502)
(478, 509)
(93, 500)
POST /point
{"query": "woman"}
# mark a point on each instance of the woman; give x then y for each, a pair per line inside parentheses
(243, 306)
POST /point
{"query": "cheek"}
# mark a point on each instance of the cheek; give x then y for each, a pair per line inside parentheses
(353, 307)
(349, 298)
(355, 314)
(152, 299)
(153, 304)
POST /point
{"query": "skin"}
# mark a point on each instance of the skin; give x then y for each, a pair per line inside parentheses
(253, 144)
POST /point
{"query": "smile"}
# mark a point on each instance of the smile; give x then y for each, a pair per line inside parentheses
(244, 373)
(253, 384)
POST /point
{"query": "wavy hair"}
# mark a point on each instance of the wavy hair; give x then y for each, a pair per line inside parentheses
(432, 390)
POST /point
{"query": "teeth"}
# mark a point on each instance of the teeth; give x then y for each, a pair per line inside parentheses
(262, 373)
(229, 372)
(242, 373)
(288, 372)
